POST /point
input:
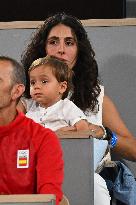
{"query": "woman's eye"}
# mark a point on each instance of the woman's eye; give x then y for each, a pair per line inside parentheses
(52, 42)
(69, 43)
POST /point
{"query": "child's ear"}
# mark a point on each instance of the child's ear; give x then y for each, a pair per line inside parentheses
(63, 87)
(17, 91)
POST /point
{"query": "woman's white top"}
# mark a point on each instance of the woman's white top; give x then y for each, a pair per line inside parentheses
(96, 116)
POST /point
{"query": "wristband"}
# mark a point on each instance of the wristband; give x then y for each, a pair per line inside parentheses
(113, 141)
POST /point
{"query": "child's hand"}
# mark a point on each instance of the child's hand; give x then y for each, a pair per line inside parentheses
(67, 128)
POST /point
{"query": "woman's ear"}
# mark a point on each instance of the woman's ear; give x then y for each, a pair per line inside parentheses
(63, 87)
(17, 91)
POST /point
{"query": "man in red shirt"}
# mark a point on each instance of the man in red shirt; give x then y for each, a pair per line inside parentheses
(30, 155)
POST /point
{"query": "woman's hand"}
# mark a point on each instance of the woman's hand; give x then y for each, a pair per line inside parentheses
(96, 130)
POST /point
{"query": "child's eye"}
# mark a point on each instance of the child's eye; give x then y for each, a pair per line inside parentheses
(44, 81)
(32, 82)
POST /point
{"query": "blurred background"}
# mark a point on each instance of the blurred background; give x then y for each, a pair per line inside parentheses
(29, 10)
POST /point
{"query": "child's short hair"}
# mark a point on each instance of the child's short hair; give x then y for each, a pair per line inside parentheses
(59, 69)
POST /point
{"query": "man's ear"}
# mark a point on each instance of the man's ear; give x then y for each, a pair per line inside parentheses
(63, 87)
(17, 91)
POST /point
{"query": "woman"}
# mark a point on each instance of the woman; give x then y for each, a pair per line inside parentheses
(64, 37)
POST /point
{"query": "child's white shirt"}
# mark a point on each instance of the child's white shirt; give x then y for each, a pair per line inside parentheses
(61, 114)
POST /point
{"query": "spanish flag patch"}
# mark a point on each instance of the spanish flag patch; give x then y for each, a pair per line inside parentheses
(22, 158)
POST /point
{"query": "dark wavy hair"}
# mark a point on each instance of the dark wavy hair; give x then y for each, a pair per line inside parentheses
(85, 78)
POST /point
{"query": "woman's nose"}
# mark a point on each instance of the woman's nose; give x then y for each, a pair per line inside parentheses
(61, 49)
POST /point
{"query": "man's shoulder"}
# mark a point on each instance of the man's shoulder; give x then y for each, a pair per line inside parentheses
(38, 133)
(34, 125)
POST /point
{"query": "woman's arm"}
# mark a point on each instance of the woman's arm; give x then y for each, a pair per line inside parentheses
(126, 144)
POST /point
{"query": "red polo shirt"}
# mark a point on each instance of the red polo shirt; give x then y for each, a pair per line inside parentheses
(30, 159)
